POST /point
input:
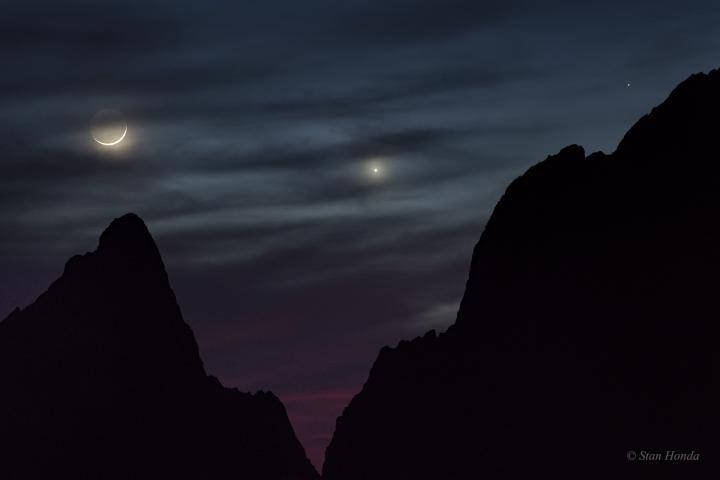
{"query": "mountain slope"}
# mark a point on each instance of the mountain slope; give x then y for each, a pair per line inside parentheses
(588, 328)
(101, 378)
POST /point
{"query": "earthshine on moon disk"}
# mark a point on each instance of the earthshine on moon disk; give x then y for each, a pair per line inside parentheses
(108, 127)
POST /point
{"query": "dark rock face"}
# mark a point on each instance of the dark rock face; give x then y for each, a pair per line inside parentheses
(101, 378)
(588, 329)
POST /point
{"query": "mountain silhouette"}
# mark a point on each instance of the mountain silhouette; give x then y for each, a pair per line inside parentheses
(588, 333)
(101, 378)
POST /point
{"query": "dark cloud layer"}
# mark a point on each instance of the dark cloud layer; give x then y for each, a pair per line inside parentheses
(253, 127)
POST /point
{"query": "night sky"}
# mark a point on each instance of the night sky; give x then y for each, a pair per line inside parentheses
(254, 128)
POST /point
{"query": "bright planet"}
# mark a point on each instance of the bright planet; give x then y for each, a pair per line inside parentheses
(108, 127)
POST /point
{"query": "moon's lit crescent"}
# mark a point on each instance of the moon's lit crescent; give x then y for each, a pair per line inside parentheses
(108, 144)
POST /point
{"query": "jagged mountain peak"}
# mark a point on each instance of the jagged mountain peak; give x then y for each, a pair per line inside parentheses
(128, 239)
(587, 326)
(102, 378)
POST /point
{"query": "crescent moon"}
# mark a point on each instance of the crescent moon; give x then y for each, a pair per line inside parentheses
(108, 144)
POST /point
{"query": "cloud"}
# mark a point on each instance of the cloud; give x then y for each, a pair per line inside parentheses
(439, 316)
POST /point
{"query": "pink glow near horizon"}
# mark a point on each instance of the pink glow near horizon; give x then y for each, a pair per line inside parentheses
(313, 415)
